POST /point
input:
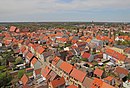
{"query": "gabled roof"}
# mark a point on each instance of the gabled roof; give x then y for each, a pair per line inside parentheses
(12, 28)
(109, 78)
(87, 82)
(62, 39)
(98, 72)
(46, 71)
(78, 75)
(66, 67)
(22, 48)
(115, 54)
(17, 30)
(72, 86)
(105, 85)
(34, 60)
(40, 50)
(38, 71)
(55, 60)
(53, 75)
(24, 79)
(86, 55)
(58, 82)
(98, 83)
(29, 55)
(121, 70)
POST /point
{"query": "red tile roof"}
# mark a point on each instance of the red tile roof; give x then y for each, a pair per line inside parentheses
(46, 71)
(40, 50)
(86, 55)
(22, 48)
(24, 79)
(17, 30)
(87, 82)
(55, 60)
(38, 71)
(98, 72)
(78, 75)
(28, 69)
(66, 67)
(98, 83)
(12, 28)
(105, 85)
(58, 82)
(29, 55)
(115, 54)
(34, 60)
(62, 39)
(72, 86)
(121, 70)
(109, 78)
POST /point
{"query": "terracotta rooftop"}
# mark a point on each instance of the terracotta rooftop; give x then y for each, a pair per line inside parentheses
(87, 82)
(55, 60)
(66, 67)
(109, 78)
(98, 72)
(29, 55)
(98, 83)
(40, 50)
(115, 54)
(78, 75)
(24, 79)
(46, 71)
(34, 60)
(12, 28)
(121, 70)
(38, 71)
(86, 55)
(58, 82)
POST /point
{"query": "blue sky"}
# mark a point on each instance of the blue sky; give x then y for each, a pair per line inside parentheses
(64, 10)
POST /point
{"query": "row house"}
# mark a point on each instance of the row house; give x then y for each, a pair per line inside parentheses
(121, 72)
(98, 83)
(77, 77)
(87, 82)
(65, 70)
(114, 57)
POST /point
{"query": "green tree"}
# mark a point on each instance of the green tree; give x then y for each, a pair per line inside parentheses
(5, 80)
(6, 55)
(21, 73)
(19, 60)
(128, 76)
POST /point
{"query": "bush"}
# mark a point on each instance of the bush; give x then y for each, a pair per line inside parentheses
(83, 59)
(18, 60)
(5, 80)
(21, 73)
(2, 67)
